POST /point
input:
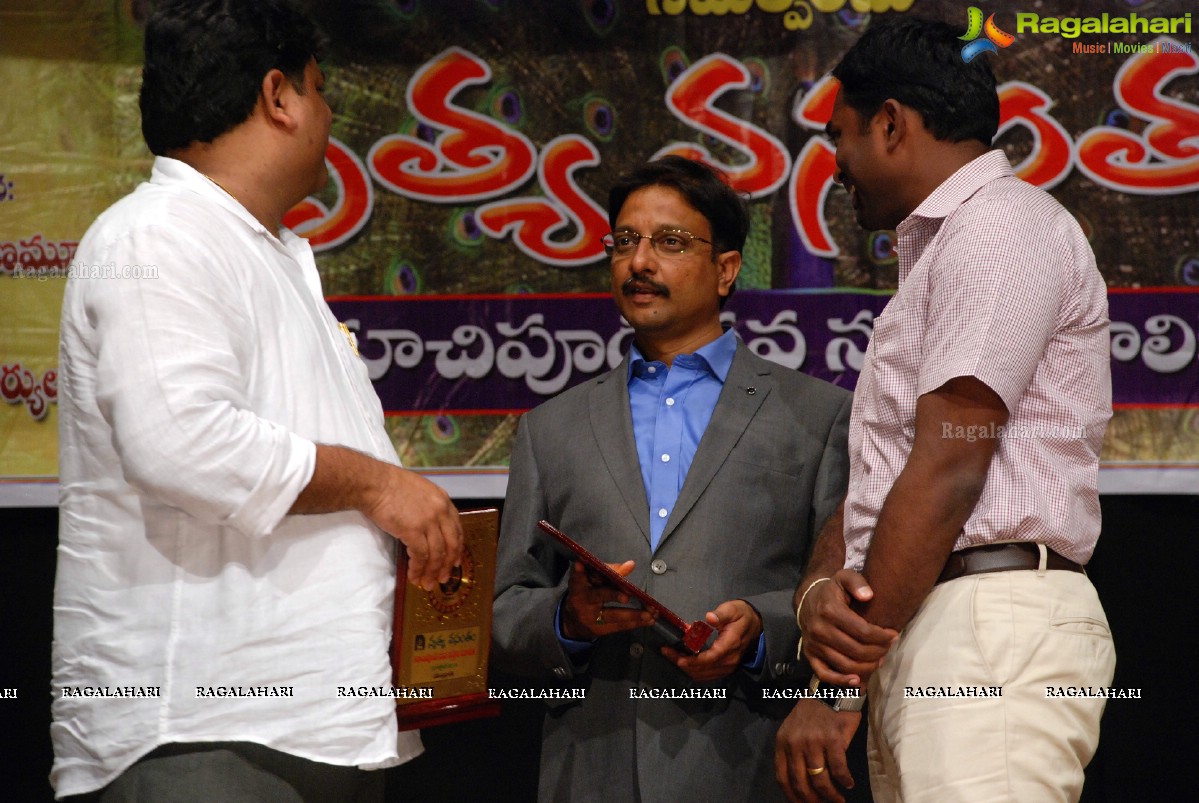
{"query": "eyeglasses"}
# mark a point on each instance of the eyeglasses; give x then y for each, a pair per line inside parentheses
(665, 242)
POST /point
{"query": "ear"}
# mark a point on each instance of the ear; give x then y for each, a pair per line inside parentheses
(728, 266)
(893, 118)
(275, 99)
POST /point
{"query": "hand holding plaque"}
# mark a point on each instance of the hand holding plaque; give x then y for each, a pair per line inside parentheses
(594, 607)
(690, 637)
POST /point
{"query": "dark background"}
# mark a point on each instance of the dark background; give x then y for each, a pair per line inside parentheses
(1144, 569)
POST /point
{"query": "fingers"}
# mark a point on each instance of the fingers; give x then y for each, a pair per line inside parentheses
(795, 761)
(455, 541)
(623, 569)
(729, 613)
(840, 636)
(842, 653)
(840, 662)
(704, 667)
(857, 636)
(717, 660)
(800, 780)
(827, 674)
(821, 783)
(594, 586)
(838, 777)
(587, 611)
(809, 754)
(608, 621)
(421, 516)
(435, 567)
(826, 612)
(732, 638)
(738, 627)
(782, 768)
(416, 567)
(837, 636)
(838, 771)
(431, 532)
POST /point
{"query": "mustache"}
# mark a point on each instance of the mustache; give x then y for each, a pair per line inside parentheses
(640, 284)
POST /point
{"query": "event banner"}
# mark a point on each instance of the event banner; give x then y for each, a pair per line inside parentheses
(474, 142)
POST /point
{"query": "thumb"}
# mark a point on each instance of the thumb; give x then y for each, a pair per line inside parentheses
(855, 585)
(725, 613)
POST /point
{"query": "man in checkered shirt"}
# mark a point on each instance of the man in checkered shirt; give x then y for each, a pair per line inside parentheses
(974, 447)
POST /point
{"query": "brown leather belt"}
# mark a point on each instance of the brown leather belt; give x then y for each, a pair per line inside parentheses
(1002, 558)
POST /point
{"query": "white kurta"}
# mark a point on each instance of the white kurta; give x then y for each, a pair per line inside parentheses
(190, 404)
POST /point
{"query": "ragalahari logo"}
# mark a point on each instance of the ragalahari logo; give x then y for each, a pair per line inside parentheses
(976, 27)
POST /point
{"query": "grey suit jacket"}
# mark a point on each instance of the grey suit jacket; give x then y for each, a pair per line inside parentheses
(770, 468)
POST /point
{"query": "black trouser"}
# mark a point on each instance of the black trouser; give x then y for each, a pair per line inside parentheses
(235, 772)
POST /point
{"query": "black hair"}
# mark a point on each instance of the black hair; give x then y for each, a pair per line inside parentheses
(205, 61)
(702, 187)
(919, 63)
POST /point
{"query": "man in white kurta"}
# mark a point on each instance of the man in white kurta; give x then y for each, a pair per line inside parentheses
(204, 408)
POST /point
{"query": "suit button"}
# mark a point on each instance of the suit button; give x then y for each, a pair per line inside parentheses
(636, 650)
(780, 668)
(560, 671)
(658, 566)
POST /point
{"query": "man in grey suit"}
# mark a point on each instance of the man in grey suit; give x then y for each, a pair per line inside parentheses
(700, 471)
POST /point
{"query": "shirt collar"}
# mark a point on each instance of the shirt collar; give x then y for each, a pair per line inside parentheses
(969, 179)
(168, 171)
(716, 356)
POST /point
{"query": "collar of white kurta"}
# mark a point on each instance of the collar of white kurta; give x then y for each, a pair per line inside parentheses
(168, 172)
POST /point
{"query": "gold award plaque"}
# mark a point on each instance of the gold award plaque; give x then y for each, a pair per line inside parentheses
(442, 637)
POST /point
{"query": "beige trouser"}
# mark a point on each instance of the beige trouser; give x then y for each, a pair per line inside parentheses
(1022, 631)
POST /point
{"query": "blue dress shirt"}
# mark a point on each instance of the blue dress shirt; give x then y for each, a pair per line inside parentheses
(671, 407)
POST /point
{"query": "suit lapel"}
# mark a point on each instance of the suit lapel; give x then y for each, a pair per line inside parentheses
(612, 428)
(745, 388)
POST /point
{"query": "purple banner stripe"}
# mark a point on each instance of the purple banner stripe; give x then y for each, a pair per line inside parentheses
(506, 353)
